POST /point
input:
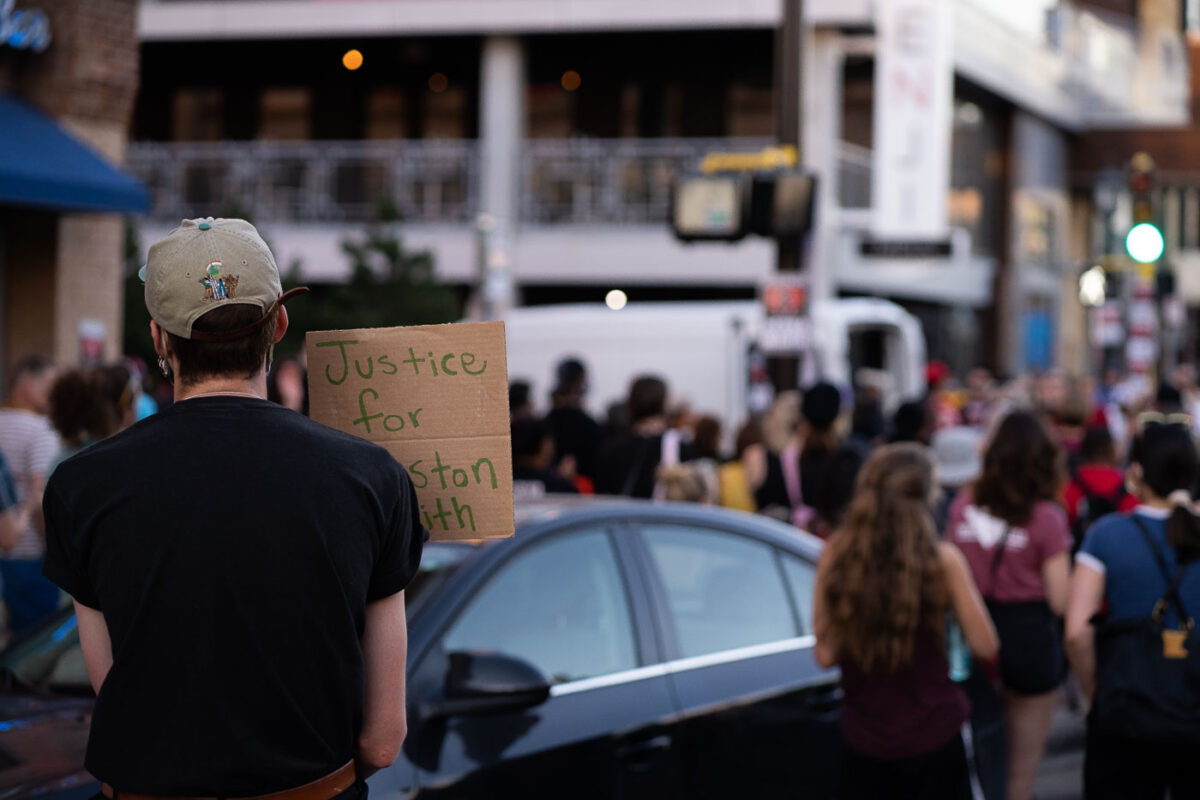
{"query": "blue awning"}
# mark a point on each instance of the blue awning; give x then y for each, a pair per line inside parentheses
(42, 165)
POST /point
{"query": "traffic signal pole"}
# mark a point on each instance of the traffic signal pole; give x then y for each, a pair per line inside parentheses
(789, 60)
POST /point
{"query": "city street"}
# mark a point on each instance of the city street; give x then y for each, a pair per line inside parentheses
(596, 399)
(1060, 775)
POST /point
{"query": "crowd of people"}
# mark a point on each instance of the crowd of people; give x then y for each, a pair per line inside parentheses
(49, 415)
(982, 514)
(1032, 525)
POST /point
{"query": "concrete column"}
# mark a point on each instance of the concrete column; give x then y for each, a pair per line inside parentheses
(821, 137)
(501, 134)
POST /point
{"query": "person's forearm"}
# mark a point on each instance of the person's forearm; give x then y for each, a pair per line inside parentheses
(1082, 656)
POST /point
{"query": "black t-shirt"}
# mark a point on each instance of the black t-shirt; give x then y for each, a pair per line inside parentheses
(628, 465)
(233, 546)
(826, 482)
(575, 434)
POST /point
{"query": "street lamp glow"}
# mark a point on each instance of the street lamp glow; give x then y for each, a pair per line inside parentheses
(1091, 287)
(1145, 243)
(616, 299)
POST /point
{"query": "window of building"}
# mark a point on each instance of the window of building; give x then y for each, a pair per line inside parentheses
(977, 171)
(197, 115)
(386, 114)
(286, 114)
(550, 111)
(751, 110)
(446, 113)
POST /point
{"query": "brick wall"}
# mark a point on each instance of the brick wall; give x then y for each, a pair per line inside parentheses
(90, 71)
(60, 269)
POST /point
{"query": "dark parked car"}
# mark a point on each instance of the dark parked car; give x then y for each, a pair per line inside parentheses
(611, 649)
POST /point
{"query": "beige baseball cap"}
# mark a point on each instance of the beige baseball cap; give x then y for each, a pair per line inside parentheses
(207, 263)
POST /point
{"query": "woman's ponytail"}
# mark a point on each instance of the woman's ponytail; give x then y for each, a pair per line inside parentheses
(1183, 527)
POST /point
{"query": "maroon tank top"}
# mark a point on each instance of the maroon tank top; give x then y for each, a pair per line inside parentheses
(914, 710)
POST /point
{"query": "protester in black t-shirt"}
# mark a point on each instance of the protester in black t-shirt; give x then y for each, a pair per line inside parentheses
(627, 464)
(576, 434)
(238, 570)
(533, 450)
(810, 483)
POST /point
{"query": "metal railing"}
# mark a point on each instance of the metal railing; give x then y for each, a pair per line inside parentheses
(614, 181)
(425, 180)
(564, 181)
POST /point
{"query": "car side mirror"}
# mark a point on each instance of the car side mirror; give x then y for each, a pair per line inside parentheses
(488, 683)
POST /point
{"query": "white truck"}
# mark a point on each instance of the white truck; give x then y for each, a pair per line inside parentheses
(703, 349)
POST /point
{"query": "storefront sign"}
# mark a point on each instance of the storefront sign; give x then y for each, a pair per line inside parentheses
(27, 29)
(876, 248)
(436, 397)
(913, 88)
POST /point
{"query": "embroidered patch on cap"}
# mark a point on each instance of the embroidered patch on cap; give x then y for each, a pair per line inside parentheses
(218, 286)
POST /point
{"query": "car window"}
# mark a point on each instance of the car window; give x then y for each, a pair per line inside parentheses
(560, 605)
(724, 590)
(801, 577)
(439, 560)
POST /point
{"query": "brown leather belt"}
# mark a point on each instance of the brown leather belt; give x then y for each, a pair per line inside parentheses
(325, 788)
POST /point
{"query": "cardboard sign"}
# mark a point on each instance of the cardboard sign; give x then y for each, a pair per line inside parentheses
(436, 396)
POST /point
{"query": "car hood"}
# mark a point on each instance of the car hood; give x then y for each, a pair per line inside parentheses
(42, 744)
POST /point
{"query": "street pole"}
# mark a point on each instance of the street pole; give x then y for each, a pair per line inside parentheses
(789, 60)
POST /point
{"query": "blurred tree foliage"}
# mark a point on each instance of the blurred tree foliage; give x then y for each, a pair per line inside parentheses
(388, 285)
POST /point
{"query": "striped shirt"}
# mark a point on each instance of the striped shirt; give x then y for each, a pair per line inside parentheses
(29, 445)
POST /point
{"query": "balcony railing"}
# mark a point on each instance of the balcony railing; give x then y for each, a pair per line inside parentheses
(614, 181)
(564, 181)
(425, 180)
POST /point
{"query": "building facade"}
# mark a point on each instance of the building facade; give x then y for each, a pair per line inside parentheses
(539, 140)
(68, 78)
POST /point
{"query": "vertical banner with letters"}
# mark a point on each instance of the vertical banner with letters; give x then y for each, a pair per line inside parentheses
(914, 71)
(436, 396)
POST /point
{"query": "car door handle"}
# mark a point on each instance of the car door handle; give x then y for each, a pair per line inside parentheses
(825, 701)
(649, 746)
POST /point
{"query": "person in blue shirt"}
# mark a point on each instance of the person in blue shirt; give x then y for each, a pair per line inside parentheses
(1116, 571)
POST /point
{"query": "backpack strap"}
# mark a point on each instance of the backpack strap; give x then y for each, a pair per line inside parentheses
(1173, 583)
(997, 557)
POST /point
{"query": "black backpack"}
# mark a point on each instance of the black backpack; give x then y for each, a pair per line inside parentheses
(1093, 507)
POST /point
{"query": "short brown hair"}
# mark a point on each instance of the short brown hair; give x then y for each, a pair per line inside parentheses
(244, 356)
(647, 398)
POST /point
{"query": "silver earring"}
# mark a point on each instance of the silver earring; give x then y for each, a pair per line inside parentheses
(270, 359)
(163, 368)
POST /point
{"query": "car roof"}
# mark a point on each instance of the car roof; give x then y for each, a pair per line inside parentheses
(552, 510)
(556, 510)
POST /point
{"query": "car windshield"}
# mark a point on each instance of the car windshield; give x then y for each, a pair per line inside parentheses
(50, 656)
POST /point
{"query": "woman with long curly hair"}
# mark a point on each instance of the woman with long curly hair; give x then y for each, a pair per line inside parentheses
(886, 589)
(1017, 541)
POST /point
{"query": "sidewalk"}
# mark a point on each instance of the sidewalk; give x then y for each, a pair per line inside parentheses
(1060, 776)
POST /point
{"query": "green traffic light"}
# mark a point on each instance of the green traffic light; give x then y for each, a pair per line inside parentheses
(1145, 243)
